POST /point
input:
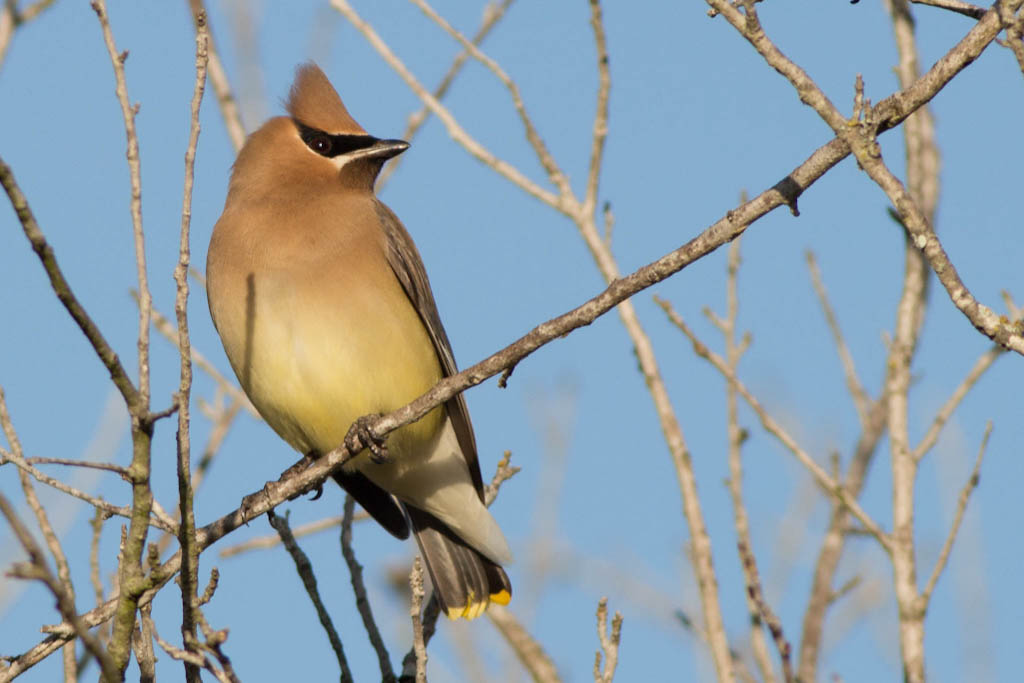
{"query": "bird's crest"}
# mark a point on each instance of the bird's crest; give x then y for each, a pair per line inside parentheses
(314, 102)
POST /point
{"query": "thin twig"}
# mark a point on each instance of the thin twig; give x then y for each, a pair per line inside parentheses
(958, 517)
(609, 643)
(528, 650)
(355, 570)
(824, 480)
(128, 112)
(504, 471)
(861, 401)
(771, 620)
(419, 646)
(305, 570)
(43, 520)
(159, 521)
(979, 368)
(167, 329)
(189, 578)
(62, 289)
(7, 28)
(964, 8)
(272, 541)
(219, 80)
(493, 13)
(105, 466)
(214, 641)
(451, 125)
(12, 18)
(600, 133)
(736, 435)
(832, 544)
(37, 569)
(547, 161)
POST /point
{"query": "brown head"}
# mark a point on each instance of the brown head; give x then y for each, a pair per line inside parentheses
(318, 144)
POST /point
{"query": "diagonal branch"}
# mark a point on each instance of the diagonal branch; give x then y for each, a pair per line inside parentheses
(861, 400)
(456, 131)
(493, 13)
(861, 141)
(825, 481)
(555, 174)
(62, 289)
(961, 507)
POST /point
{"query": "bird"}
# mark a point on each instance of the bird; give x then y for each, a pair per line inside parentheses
(326, 315)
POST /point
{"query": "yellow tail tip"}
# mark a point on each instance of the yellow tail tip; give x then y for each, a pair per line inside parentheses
(474, 608)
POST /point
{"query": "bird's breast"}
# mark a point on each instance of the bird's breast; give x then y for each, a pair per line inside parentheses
(319, 342)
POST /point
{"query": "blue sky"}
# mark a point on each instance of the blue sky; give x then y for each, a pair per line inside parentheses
(696, 119)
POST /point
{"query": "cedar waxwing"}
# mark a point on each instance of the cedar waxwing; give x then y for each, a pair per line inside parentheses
(326, 314)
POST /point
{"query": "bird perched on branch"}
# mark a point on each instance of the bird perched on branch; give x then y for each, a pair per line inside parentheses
(325, 311)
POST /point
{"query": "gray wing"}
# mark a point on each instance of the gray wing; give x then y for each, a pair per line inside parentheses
(407, 265)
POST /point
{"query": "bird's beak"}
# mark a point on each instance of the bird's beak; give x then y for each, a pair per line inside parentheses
(386, 149)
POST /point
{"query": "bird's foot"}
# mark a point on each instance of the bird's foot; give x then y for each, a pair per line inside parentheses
(360, 438)
(303, 462)
(253, 505)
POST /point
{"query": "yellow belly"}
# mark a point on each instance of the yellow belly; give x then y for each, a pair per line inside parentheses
(312, 362)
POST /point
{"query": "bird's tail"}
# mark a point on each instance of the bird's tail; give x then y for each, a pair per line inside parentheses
(465, 581)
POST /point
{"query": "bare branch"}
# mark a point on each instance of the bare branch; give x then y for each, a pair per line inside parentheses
(528, 650)
(159, 521)
(187, 528)
(600, 113)
(770, 618)
(503, 473)
(63, 291)
(219, 80)
(43, 520)
(861, 141)
(359, 588)
(419, 646)
(981, 365)
(832, 544)
(861, 401)
(609, 643)
(734, 350)
(12, 18)
(305, 570)
(128, 112)
(165, 328)
(456, 131)
(105, 466)
(964, 8)
(555, 174)
(958, 517)
(493, 13)
(37, 569)
(272, 541)
(828, 484)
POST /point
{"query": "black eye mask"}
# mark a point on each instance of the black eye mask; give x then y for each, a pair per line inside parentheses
(330, 146)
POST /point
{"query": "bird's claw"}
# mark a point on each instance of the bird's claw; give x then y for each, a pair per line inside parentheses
(360, 438)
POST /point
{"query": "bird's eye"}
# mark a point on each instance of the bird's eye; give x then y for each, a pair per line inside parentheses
(321, 144)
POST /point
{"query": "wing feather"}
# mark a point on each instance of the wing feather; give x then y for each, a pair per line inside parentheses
(407, 265)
